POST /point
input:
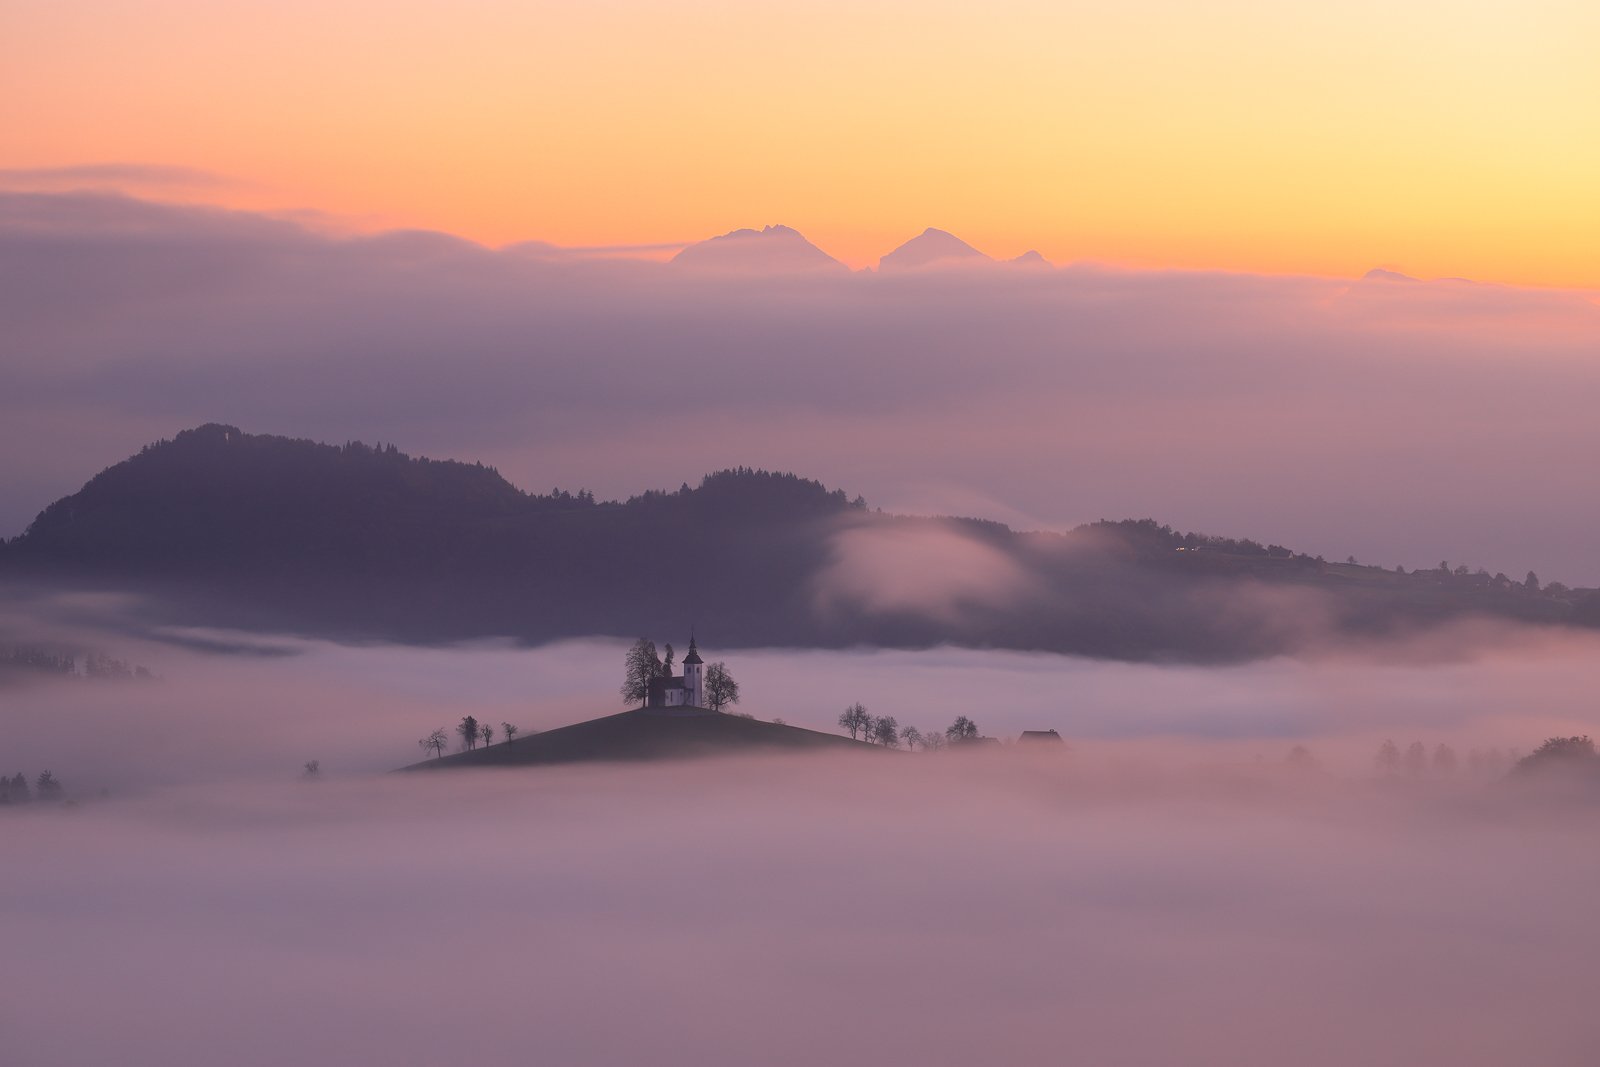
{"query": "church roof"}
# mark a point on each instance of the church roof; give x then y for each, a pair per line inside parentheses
(694, 654)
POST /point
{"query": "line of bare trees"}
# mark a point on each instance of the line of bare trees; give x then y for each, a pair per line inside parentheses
(471, 732)
(884, 730)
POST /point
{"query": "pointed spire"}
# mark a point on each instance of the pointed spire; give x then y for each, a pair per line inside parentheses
(694, 652)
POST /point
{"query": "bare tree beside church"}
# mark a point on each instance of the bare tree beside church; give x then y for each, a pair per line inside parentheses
(721, 689)
(641, 666)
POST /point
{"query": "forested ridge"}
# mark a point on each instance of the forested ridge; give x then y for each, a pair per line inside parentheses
(363, 540)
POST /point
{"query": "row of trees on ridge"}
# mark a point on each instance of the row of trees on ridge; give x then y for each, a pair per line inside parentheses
(471, 732)
(884, 730)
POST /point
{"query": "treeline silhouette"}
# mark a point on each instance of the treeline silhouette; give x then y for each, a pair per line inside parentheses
(235, 529)
(46, 789)
(886, 730)
(36, 659)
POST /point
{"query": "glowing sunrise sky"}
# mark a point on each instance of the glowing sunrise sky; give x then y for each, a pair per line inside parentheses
(1442, 138)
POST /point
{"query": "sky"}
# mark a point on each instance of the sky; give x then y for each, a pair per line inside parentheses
(1442, 138)
(445, 227)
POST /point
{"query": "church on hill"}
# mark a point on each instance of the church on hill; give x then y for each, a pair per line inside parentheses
(674, 691)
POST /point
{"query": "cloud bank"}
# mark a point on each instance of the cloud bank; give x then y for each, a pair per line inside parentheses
(856, 912)
(1398, 422)
(1167, 890)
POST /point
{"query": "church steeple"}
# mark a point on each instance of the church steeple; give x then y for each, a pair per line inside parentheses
(693, 678)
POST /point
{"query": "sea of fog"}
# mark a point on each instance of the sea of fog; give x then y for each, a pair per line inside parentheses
(1169, 890)
(261, 711)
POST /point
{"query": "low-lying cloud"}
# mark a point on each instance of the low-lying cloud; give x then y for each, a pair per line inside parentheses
(1169, 888)
(915, 911)
(226, 707)
(930, 570)
(1398, 422)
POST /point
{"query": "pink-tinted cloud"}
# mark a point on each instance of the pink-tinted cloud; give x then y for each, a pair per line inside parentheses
(886, 912)
(934, 570)
(1400, 423)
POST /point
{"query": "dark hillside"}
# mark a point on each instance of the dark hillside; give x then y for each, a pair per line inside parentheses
(648, 734)
(227, 528)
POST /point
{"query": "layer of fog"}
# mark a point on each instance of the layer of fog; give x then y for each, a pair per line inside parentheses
(1400, 422)
(1168, 889)
(209, 717)
(845, 911)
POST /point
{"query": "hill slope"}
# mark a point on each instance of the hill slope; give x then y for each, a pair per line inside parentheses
(649, 734)
(227, 528)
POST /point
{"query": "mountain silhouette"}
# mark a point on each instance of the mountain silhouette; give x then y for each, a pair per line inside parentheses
(223, 528)
(1031, 258)
(770, 250)
(929, 248)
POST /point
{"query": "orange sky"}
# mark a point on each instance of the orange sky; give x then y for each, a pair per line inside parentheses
(1442, 138)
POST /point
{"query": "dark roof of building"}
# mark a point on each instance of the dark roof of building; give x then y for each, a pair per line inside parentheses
(1041, 735)
(694, 654)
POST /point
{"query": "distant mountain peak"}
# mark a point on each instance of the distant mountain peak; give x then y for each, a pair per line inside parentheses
(769, 250)
(1031, 258)
(1378, 274)
(931, 247)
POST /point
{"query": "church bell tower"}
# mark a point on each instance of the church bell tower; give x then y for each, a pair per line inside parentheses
(694, 689)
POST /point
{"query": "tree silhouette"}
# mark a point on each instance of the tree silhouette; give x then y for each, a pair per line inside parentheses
(886, 731)
(1388, 758)
(933, 741)
(641, 666)
(435, 741)
(48, 787)
(963, 729)
(510, 732)
(1563, 752)
(486, 732)
(912, 737)
(1444, 759)
(720, 687)
(1416, 758)
(468, 729)
(855, 719)
(313, 768)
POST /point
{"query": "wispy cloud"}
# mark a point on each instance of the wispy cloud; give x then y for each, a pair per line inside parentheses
(135, 177)
(1399, 423)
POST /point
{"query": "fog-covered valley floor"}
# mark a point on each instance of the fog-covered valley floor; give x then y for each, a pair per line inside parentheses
(1168, 890)
(804, 911)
